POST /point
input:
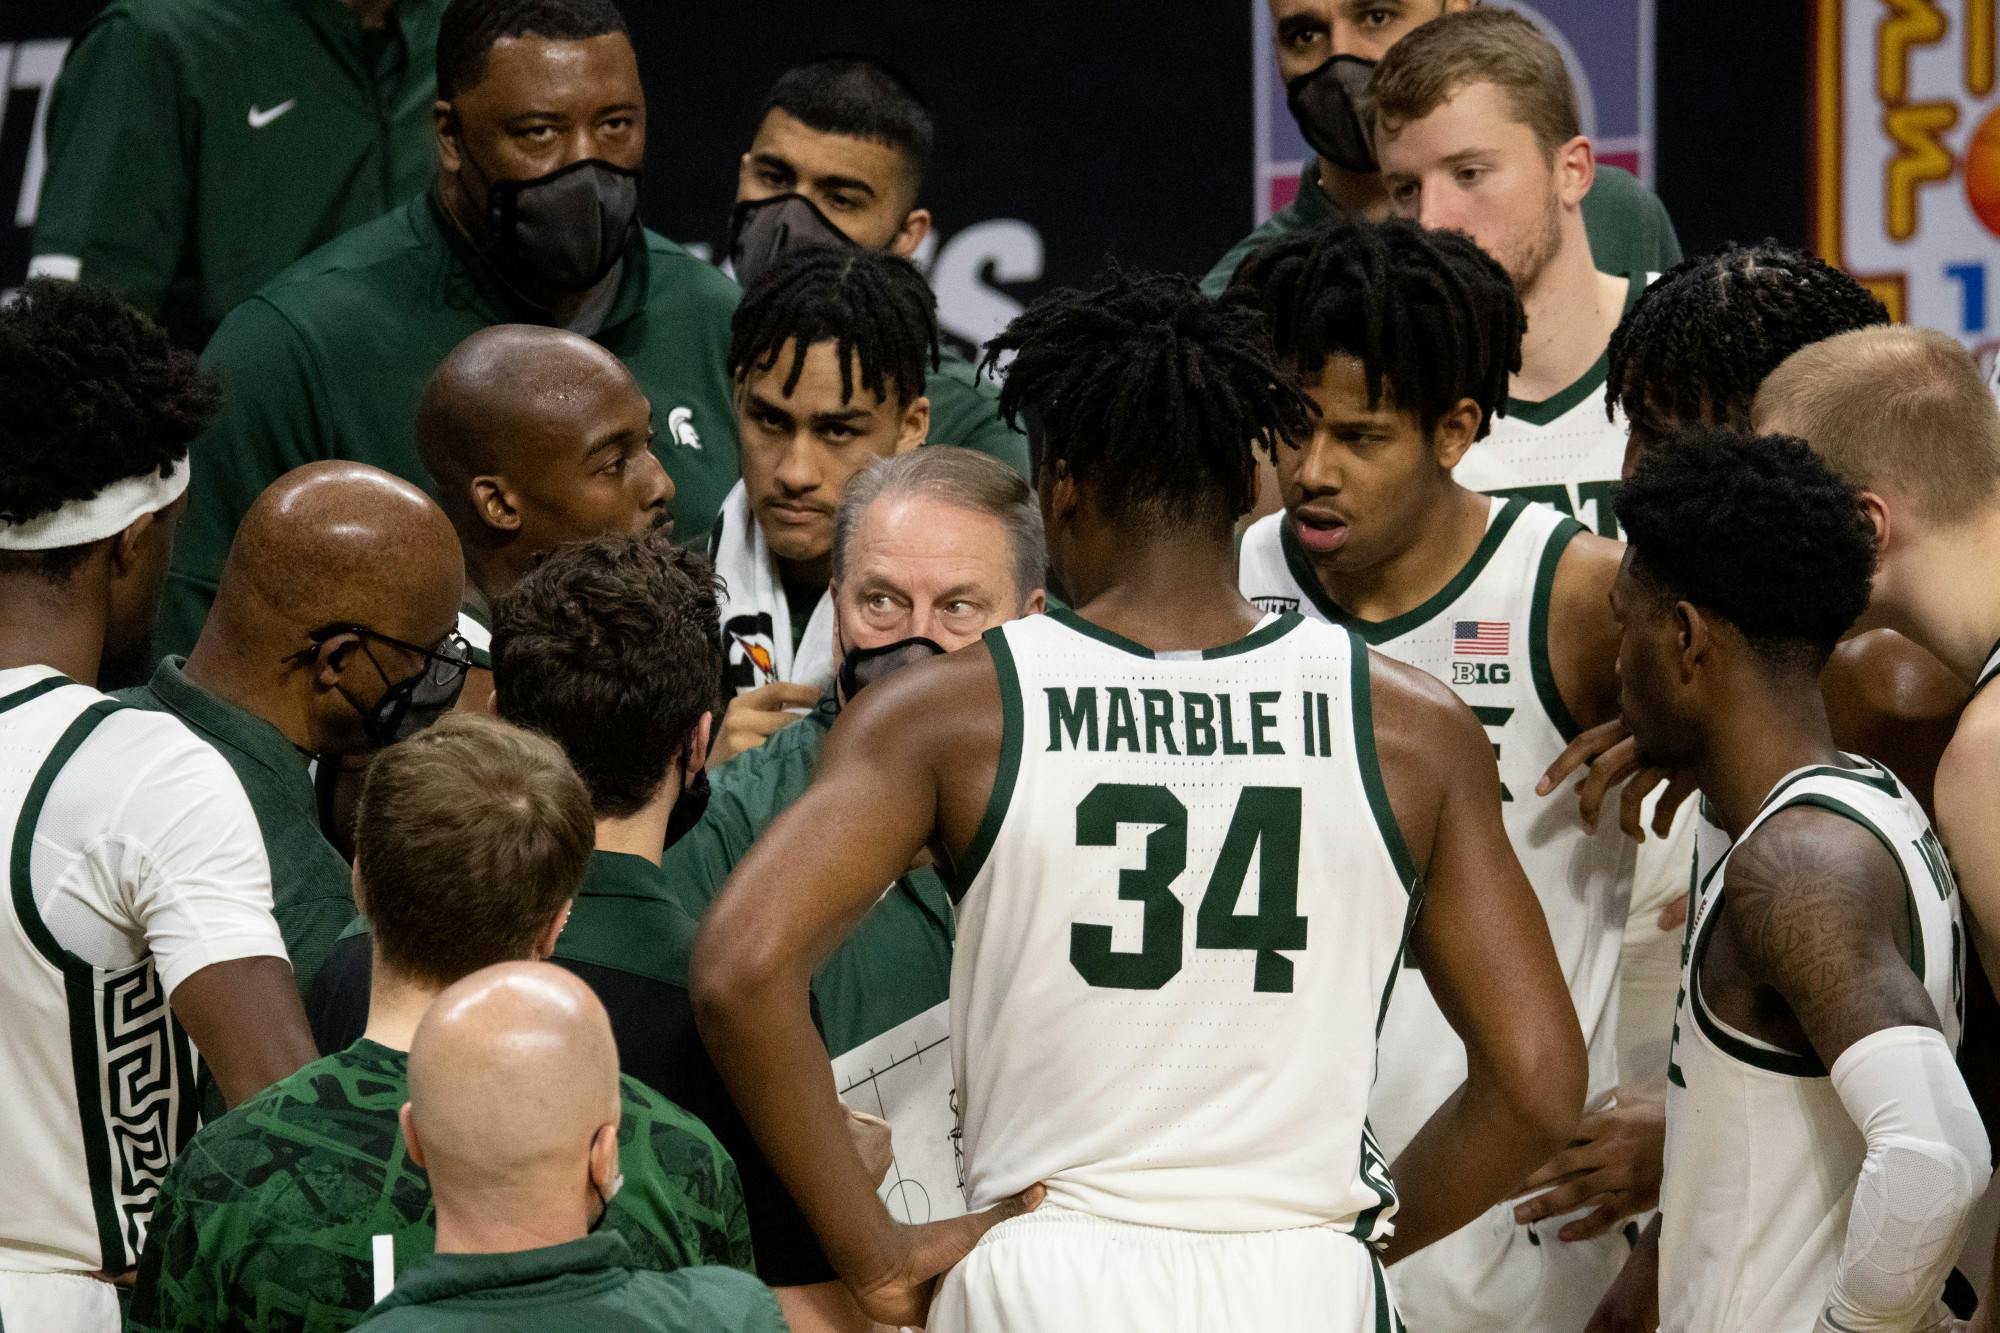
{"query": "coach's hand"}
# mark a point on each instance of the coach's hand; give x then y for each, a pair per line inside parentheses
(1613, 1164)
(1612, 756)
(754, 715)
(1633, 1303)
(902, 1299)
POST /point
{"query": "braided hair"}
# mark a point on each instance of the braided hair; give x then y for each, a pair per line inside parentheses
(875, 307)
(1152, 392)
(1432, 319)
(1705, 333)
(470, 28)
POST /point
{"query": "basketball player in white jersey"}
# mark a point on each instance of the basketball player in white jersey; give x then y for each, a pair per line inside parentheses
(1823, 1153)
(1404, 338)
(1477, 130)
(135, 895)
(1904, 415)
(1184, 835)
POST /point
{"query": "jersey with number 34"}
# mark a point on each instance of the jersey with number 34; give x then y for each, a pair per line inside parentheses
(1179, 925)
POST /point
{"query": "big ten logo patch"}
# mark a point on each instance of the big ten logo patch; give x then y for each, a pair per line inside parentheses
(1481, 673)
(752, 652)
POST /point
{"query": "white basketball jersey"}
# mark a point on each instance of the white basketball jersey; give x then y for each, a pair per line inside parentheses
(1180, 923)
(1762, 1157)
(1565, 451)
(1485, 635)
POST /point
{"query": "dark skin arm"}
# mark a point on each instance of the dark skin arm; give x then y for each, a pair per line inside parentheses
(1483, 945)
(247, 1022)
(912, 757)
(1583, 634)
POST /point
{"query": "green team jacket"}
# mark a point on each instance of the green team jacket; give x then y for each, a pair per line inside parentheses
(895, 965)
(329, 359)
(584, 1285)
(1629, 229)
(196, 147)
(311, 884)
(267, 1218)
(965, 411)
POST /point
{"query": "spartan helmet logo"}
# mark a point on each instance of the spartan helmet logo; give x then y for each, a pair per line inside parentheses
(680, 425)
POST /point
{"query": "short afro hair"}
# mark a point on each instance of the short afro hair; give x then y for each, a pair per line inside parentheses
(1694, 348)
(470, 28)
(862, 98)
(1432, 319)
(1757, 530)
(91, 392)
(612, 647)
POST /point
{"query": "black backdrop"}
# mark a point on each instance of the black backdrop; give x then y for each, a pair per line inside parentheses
(1070, 131)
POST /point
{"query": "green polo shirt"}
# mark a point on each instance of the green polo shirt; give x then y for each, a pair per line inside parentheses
(584, 1284)
(197, 147)
(1629, 229)
(311, 883)
(896, 964)
(965, 411)
(329, 359)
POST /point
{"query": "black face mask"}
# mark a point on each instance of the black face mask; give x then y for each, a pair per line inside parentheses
(562, 232)
(689, 807)
(1324, 101)
(862, 667)
(762, 229)
(416, 701)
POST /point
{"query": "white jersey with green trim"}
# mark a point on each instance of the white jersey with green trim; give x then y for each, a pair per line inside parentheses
(1564, 451)
(1992, 667)
(1179, 925)
(132, 860)
(1485, 635)
(1762, 1157)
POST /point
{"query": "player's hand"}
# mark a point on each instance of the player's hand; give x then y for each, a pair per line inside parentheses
(872, 1141)
(1612, 756)
(754, 715)
(902, 1299)
(1614, 1165)
(1633, 1303)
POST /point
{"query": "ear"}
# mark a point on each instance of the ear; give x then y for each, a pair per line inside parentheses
(360, 894)
(495, 507)
(127, 546)
(332, 660)
(411, 1143)
(1576, 170)
(1876, 510)
(699, 740)
(1695, 638)
(1456, 431)
(604, 1158)
(1064, 499)
(445, 129)
(910, 235)
(915, 427)
(1038, 602)
(545, 943)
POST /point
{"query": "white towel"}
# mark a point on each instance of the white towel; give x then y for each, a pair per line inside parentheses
(756, 617)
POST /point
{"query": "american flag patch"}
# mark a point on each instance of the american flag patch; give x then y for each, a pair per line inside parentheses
(1479, 638)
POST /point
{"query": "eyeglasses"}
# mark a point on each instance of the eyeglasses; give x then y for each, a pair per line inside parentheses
(444, 665)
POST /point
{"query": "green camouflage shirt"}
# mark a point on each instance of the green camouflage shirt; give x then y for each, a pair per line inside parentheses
(268, 1219)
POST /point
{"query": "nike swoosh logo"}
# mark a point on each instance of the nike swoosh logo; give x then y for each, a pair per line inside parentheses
(259, 118)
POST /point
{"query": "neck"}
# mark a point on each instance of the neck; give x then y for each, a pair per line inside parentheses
(371, 13)
(1763, 728)
(44, 623)
(1357, 192)
(489, 576)
(1929, 599)
(1445, 538)
(644, 833)
(1572, 309)
(806, 574)
(396, 1004)
(242, 677)
(507, 1220)
(1169, 595)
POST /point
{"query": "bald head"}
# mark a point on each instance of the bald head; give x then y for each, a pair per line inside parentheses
(537, 436)
(513, 1074)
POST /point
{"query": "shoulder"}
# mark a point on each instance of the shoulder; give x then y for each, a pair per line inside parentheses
(1967, 773)
(139, 758)
(370, 258)
(728, 1300)
(1580, 593)
(677, 275)
(1422, 729)
(675, 1135)
(1624, 196)
(1810, 872)
(1278, 224)
(231, 1158)
(188, 27)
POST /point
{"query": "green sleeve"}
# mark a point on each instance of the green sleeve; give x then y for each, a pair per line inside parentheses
(682, 1203)
(723, 1301)
(117, 193)
(271, 422)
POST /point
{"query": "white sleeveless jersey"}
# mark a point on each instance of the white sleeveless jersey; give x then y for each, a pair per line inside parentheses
(1181, 920)
(1485, 635)
(1992, 667)
(1762, 1157)
(130, 859)
(1564, 451)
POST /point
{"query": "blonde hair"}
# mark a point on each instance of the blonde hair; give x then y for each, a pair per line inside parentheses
(1497, 46)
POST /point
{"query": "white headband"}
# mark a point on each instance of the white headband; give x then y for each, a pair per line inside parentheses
(110, 511)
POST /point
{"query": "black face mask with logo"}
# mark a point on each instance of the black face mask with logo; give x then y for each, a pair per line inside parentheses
(1326, 103)
(760, 230)
(861, 667)
(563, 232)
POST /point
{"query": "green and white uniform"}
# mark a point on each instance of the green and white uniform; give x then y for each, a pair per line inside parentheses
(1989, 671)
(1179, 924)
(1486, 636)
(1762, 1157)
(1564, 451)
(131, 860)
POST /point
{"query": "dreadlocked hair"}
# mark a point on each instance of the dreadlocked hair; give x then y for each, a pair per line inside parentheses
(876, 308)
(470, 28)
(1702, 337)
(1432, 319)
(1151, 392)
